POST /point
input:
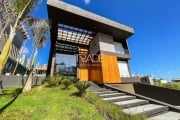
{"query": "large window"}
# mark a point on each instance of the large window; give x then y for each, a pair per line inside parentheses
(119, 48)
(66, 64)
(123, 69)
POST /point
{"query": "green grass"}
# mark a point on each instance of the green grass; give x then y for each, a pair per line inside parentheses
(44, 103)
(49, 104)
(175, 86)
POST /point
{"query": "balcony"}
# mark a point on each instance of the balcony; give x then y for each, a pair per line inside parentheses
(123, 54)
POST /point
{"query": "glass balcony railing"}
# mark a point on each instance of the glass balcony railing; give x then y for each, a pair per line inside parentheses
(123, 53)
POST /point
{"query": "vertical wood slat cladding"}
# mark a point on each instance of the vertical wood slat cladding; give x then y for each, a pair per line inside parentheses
(95, 73)
(106, 71)
(83, 72)
(110, 70)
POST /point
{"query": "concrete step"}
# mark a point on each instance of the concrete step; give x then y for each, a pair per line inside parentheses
(94, 85)
(112, 95)
(148, 110)
(167, 116)
(105, 92)
(100, 90)
(131, 103)
(119, 98)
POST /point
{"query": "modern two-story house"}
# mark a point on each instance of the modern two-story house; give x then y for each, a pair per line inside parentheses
(100, 43)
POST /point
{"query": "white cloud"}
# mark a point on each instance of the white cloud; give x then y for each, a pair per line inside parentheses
(87, 1)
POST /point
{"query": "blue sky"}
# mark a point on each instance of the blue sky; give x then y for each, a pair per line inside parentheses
(155, 45)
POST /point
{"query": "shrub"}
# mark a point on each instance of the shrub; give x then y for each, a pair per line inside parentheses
(59, 78)
(53, 81)
(66, 83)
(74, 80)
(82, 86)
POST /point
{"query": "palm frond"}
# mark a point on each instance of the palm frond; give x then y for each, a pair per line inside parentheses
(21, 4)
(39, 29)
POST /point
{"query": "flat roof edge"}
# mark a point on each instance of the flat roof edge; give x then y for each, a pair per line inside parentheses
(81, 12)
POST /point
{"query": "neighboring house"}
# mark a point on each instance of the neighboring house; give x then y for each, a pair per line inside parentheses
(41, 70)
(147, 80)
(176, 80)
(163, 81)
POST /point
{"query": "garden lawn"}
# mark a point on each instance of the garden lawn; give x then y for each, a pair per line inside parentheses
(172, 85)
(44, 103)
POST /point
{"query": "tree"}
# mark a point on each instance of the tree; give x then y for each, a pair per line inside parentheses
(7, 15)
(39, 29)
(22, 8)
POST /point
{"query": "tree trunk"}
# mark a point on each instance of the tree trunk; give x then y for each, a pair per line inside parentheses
(17, 63)
(4, 54)
(28, 84)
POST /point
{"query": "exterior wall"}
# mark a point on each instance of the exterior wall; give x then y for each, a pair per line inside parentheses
(101, 42)
(166, 95)
(110, 72)
(18, 81)
(107, 70)
(106, 42)
(94, 47)
(95, 72)
(125, 87)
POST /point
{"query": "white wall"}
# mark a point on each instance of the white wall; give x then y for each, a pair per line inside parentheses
(123, 69)
(106, 43)
(102, 42)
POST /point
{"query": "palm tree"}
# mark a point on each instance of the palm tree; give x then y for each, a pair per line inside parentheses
(6, 15)
(39, 29)
(22, 8)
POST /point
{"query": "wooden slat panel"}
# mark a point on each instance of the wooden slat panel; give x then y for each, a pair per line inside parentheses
(106, 71)
(95, 73)
(83, 66)
(110, 71)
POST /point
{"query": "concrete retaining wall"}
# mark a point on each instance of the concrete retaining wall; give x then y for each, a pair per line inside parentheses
(17, 81)
(125, 87)
(166, 95)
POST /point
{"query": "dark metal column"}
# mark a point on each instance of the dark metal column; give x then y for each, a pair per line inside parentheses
(53, 39)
